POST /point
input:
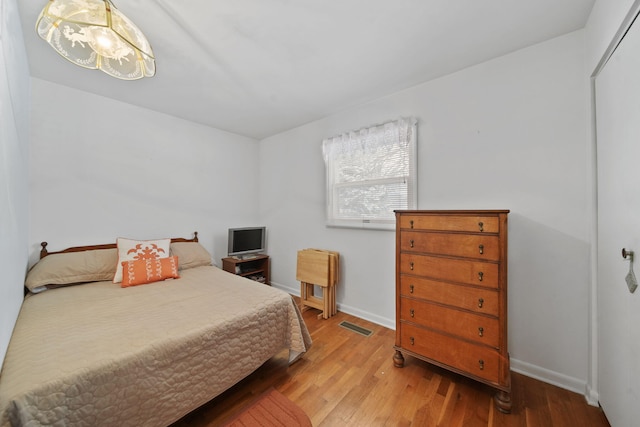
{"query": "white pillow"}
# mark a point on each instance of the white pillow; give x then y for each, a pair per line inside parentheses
(130, 250)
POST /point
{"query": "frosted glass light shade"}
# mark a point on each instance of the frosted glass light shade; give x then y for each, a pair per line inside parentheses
(94, 34)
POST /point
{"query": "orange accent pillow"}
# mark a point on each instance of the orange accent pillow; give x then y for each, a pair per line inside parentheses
(143, 271)
(129, 250)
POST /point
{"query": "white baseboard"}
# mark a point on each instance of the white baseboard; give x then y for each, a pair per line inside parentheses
(524, 368)
(366, 315)
(592, 396)
(378, 320)
(292, 291)
(555, 378)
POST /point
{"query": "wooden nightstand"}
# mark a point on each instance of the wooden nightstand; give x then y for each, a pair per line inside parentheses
(254, 268)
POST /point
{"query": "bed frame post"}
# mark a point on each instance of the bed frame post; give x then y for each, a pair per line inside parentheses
(43, 251)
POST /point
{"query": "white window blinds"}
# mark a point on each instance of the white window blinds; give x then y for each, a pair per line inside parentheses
(370, 173)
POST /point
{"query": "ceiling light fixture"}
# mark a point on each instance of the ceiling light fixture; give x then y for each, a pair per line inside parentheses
(94, 34)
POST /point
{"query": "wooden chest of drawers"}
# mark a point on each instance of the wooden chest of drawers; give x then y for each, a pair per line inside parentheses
(451, 294)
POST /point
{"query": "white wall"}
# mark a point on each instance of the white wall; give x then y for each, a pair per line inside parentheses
(102, 169)
(14, 201)
(507, 134)
(605, 20)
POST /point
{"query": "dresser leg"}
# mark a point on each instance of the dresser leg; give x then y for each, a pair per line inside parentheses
(398, 359)
(503, 401)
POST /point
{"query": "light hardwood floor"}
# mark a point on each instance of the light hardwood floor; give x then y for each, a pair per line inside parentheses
(346, 379)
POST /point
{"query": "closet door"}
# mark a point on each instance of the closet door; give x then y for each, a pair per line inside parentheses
(618, 163)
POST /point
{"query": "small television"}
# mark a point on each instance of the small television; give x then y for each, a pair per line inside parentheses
(247, 241)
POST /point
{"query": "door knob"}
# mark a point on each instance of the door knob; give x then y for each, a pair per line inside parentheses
(632, 282)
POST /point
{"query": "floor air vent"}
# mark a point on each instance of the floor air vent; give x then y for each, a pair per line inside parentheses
(355, 328)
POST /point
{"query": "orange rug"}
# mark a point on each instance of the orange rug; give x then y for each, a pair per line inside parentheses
(271, 409)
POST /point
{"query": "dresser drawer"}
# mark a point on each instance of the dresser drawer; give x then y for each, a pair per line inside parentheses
(483, 362)
(468, 298)
(468, 223)
(455, 270)
(475, 327)
(462, 245)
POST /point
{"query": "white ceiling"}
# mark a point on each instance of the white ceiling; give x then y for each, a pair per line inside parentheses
(259, 67)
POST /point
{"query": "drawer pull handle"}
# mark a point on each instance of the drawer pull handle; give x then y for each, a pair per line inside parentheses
(412, 340)
(410, 289)
(481, 331)
(411, 243)
(480, 275)
(481, 226)
(480, 248)
(411, 223)
(481, 364)
(411, 265)
(480, 302)
(412, 313)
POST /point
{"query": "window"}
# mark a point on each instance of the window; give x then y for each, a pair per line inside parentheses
(370, 173)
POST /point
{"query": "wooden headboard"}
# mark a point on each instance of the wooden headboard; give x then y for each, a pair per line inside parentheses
(44, 252)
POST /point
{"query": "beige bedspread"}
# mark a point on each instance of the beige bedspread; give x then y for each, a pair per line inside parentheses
(98, 354)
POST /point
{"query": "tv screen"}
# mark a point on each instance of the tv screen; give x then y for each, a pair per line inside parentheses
(247, 241)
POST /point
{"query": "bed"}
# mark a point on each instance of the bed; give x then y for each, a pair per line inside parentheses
(98, 353)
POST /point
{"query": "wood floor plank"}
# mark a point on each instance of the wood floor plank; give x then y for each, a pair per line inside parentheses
(346, 379)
